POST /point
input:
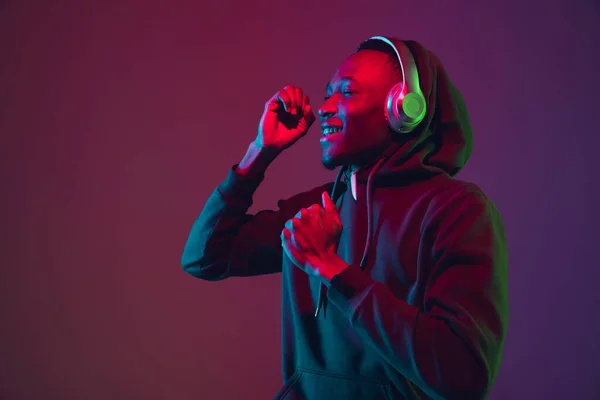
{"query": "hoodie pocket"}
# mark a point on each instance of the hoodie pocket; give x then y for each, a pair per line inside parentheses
(315, 385)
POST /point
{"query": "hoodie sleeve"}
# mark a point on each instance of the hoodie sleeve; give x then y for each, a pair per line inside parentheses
(451, 348)
(226, 241)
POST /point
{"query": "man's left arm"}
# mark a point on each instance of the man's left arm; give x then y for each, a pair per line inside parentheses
(452, 347)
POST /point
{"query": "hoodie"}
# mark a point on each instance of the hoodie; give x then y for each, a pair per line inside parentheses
(421, 311)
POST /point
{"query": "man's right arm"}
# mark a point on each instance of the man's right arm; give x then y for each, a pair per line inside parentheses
(225, 240)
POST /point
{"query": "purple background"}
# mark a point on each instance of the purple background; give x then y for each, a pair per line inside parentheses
(118, 118)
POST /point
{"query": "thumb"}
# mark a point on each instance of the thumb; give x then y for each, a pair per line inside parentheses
(309, 115)
(327, 203)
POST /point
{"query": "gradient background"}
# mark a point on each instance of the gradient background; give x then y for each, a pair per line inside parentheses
(118, 118)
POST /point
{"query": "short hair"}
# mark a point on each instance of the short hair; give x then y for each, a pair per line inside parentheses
(378, 45)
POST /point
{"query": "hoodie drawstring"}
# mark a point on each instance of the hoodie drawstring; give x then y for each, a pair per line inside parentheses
(370, 211)
(321, 302)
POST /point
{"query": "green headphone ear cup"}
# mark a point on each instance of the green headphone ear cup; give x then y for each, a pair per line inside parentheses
(413, 106)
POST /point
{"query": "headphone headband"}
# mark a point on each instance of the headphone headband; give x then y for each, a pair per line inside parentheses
(405, 104)
(410, 74)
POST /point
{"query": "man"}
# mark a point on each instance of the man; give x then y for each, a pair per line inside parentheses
(393, 276)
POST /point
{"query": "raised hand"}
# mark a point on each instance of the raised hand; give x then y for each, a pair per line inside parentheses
(286, 118)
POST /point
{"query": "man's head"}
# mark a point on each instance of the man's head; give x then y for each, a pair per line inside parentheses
(354, 102)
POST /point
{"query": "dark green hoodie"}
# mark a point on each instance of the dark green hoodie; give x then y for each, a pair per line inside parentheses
(422, 310)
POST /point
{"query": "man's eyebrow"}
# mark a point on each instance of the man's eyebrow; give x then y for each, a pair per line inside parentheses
(343, 78)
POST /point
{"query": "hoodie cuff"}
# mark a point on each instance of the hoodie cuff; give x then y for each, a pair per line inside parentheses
(239, 186)
(348, 289)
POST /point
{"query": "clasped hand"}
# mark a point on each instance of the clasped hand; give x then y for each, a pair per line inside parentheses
(309, 239)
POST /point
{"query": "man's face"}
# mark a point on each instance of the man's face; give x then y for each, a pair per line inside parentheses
(354, 106)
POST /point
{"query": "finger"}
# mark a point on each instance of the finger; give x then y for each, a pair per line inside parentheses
(291, 92)
(274, 102)
(291, 240)
(316, 209)
(286, 245)
(308, 116)
(305, 102)
(298, 241)
(299, 100)
(284, 98)
(296, 256)
(302, 213)
(327, 203)
(291, 223)
(286, 239)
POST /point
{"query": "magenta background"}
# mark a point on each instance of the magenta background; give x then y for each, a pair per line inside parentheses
(117, 119)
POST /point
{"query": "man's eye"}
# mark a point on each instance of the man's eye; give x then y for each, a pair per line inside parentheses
(344, 93)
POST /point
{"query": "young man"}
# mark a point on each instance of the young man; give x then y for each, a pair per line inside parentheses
(394, 276)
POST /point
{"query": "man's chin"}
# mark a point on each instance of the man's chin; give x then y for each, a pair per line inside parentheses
(328, 165)
(331, 162)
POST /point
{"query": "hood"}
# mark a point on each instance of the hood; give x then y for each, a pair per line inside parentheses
(443, 141)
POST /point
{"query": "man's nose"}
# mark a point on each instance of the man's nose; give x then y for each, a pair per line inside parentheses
(327, 110)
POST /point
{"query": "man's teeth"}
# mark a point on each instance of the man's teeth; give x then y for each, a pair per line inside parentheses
(329, 131)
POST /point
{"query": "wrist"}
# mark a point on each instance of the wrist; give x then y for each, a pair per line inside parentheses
(264, 152)
(256, 160)
(330, 267)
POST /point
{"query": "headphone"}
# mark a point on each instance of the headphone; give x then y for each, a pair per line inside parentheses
(405, 105)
